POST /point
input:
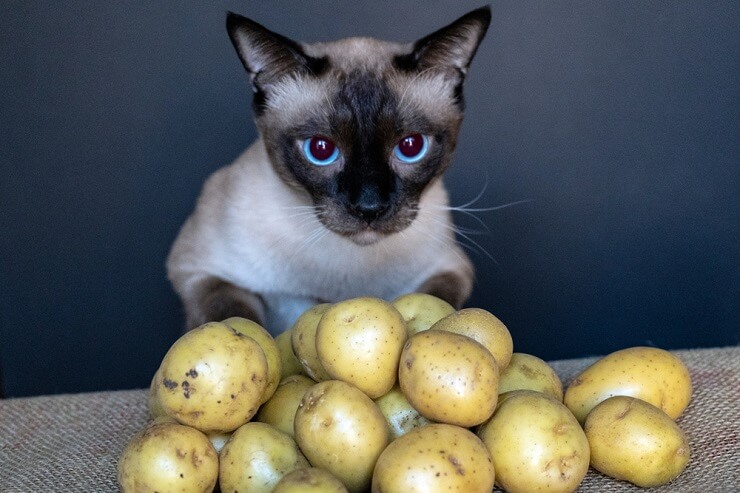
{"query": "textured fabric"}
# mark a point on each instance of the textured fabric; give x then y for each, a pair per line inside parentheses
(72, 442)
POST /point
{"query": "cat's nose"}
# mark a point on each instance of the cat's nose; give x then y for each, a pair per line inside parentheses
(370, 205)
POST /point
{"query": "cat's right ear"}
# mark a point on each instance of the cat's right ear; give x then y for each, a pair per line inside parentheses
(266, 55)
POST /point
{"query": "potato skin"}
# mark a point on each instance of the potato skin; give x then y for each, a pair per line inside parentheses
(528, 372)
(303, 341)
(635, 441)
(288, 362)
(359, 341)
(651, 374)
(421, 310)
(309, 480)
(435, 458)
(269, 347)
(212, 378)
(484, 327)
(168, 456)
(341, 429)
(256, 457)
(449, 378)
(400, 414)
(537, 445)
(280, 410)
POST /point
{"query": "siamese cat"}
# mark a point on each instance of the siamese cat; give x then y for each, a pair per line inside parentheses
(341, 195)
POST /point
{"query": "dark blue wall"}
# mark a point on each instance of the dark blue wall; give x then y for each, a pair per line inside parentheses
(618, 121)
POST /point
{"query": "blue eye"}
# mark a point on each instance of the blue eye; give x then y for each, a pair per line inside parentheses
(411, 148)
(320, 150)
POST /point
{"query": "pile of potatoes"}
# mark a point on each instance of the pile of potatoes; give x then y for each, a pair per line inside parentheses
(407, 396)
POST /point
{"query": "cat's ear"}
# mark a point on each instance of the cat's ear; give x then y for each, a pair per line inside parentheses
(266, 55)
(451, 47)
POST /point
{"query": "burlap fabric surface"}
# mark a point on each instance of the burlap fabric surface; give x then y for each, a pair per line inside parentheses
(72, 442)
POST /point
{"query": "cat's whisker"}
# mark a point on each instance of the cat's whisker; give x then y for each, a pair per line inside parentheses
(466, 236)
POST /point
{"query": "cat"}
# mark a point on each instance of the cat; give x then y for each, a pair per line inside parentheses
(341, 195)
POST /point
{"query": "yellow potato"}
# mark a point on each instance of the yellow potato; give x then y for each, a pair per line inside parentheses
(635, 441)
(309, 480)
(485, 328)
(289, 363)
(155, 405)
(341, 429)
(268, 345)
(536, 444)
(303, 341)
(256, 457)
(168, 457)
(212, 378)
(651, 374)
(359, 341)
(421, 310)
(449, 378)
(527, 372)
(400, 414)
(435, 458)
(280, 410)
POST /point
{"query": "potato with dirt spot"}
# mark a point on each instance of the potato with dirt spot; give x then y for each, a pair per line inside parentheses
(268, 345)
(421, 310)
(435, 458)
(303, 341)
(400, 414)
(280, 410)
(168, 456)
(537, 445)
(635, 441)
(359, 341)
(256, 458)
(484, 327)
(310, 480)
(651, 374)
(449, 378)
(212, 378)
(341, 429)
(528, 372)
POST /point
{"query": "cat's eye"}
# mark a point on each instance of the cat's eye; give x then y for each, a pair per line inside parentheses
(320, 150)
(411, 148)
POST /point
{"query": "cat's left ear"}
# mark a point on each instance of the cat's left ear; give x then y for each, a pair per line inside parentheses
(267, 56)
(451, 47)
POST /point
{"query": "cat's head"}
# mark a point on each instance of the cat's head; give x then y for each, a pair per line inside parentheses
(362, 126)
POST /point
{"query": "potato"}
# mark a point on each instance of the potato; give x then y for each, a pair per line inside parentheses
(154, 403)
(218, 439)
(435, 458)
(288, 361)
(633, 440)
(485, 328)
(212, 378)
(421, 310)
(536, 444)
(400, 414)
(256, 457)
(527, 372)
(651, 374)
(359, 341)
(309, 480)
(168, 457)
(341, 429)
(280, 410)
(303, 341)
(268, 345)
(449, 378)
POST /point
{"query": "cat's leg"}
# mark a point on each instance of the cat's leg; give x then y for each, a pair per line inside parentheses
(453, 287)
(213, 299)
